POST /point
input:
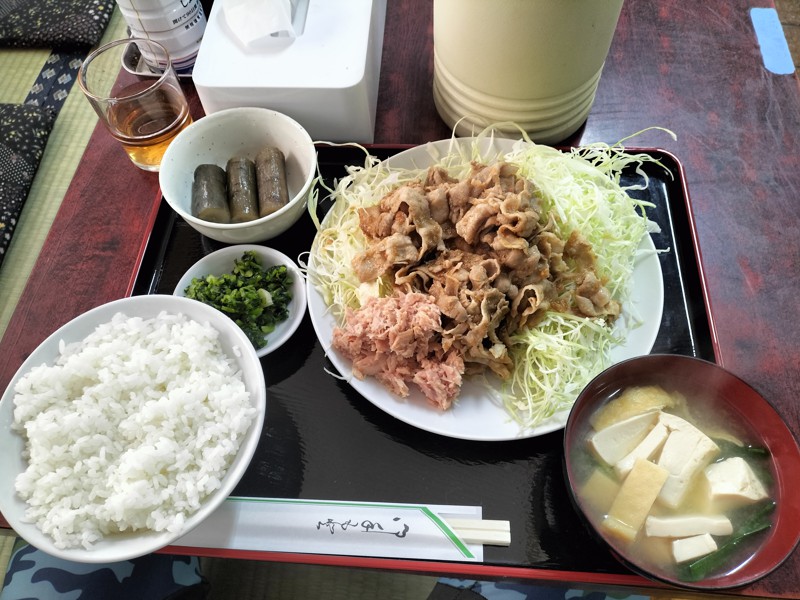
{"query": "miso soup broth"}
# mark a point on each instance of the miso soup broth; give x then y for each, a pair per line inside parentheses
(671, 486)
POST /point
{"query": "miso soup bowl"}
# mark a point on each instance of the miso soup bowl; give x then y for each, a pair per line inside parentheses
(243, 131)
(723, 397)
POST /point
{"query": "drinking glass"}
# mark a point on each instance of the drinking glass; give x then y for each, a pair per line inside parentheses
(144, 112)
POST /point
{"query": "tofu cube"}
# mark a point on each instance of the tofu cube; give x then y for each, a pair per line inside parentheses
(687, 525)
(636, 497)
(733, 479)
(690, 548)
(614, 442)
(647, 448)
(686, 452)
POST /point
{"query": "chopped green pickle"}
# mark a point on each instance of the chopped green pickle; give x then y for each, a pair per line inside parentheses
(257, 299)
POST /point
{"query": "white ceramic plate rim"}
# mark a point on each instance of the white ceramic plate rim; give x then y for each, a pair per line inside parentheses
(121, 546)
(477, 414)
(269, 257)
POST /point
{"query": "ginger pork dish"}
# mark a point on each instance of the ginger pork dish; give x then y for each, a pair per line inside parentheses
(511, 269)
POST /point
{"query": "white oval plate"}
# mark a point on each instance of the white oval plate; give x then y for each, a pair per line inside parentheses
(476, 414)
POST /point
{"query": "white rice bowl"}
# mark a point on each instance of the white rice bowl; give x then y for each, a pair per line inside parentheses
(115, 448)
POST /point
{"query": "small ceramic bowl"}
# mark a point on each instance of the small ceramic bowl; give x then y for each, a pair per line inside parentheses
(216, 138)
(222, 261)
(729, 412)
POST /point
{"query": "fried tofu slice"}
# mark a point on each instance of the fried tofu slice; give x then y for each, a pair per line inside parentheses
(633, 401)
(634, 500)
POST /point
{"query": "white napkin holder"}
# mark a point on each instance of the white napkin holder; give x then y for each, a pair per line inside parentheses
(322, 69)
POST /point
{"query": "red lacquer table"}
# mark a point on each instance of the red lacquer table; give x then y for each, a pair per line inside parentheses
(693, 68)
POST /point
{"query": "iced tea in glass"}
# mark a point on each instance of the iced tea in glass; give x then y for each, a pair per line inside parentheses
(143, 111)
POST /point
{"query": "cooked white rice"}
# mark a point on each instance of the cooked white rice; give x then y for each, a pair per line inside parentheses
(130, 429)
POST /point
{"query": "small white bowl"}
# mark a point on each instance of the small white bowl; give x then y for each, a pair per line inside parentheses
(222, 261)
(243, 131)
(127, 545)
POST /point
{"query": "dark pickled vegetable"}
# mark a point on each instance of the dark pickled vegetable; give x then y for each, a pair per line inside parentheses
(273, 193)
(210, 195)
(242, 189)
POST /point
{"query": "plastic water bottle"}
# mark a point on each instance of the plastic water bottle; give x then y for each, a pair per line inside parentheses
(178, 25)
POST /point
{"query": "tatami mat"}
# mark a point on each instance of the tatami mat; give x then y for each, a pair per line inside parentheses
(65, 146)
(19, 69)
(7, 539)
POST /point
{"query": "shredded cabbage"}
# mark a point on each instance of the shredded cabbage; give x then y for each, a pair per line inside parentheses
(553, 362)
(341, 240)
(586, 196)
(581, 188)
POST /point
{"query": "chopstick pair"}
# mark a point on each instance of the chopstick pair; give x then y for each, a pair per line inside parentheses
(487, 531)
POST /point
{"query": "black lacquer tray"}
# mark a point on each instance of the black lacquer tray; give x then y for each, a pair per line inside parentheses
(322, 440)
